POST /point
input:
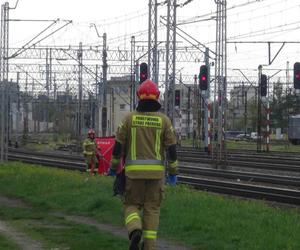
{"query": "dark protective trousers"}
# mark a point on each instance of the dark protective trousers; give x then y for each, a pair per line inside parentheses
(142, 201)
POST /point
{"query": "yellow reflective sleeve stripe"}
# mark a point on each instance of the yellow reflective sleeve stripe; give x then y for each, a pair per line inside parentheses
(144, 168)
(157, 144)
(174, 164)
(132, 217)
(172, 129)
(115, 161)
(147, 121)
(149, 234)
(133, 143)
(88, 143)
(120, 125)
(88, 152)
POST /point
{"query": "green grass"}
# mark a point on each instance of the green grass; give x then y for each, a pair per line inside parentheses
(199, 219)
(7, 244)
(56, 233)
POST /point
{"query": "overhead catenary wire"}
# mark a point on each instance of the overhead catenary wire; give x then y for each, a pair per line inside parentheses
(24, 48)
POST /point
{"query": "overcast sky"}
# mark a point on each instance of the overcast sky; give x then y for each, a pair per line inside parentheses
(264, 20)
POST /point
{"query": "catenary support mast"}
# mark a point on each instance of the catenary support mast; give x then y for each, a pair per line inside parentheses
(170, 59)
(221, 81)
(152, 41)
(4, 80)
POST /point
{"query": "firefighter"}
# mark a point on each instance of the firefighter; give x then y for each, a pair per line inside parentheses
(90, 152)
(143, 138)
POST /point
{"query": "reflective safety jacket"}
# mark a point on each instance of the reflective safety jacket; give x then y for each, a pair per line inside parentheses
(89, 147)
(144, 137)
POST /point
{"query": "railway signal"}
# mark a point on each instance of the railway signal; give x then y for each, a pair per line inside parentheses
(203, 77)
(177, 98)
(263, 85)
(143, 72)
(297, 75)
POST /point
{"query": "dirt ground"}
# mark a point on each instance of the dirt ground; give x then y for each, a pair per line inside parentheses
(26, 243)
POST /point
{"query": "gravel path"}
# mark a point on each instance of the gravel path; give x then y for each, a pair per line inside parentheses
(28, 244)
(22, 240)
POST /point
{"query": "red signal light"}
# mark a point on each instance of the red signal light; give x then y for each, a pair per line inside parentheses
(203, 77)
(297, 75)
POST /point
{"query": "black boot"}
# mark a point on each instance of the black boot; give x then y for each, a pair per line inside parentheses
(135, 238)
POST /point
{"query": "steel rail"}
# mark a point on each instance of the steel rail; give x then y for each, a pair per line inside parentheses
(284, 195)
(241, 176)
(244, 190)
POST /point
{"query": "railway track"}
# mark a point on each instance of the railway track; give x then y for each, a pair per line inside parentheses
(251, 159)
(246, 184)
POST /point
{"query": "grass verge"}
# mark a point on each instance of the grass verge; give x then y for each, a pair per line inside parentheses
(56, 233)
(199, 219)
(7, 244)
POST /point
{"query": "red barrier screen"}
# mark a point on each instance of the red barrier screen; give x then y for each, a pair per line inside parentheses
(105, 147)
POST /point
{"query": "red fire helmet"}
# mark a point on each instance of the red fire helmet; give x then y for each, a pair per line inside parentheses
(148, 90)
(91, 133)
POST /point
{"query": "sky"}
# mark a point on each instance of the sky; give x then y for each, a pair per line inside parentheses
(261, 20)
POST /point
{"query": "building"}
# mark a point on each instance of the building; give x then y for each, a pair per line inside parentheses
(118, 101)
(242, 99)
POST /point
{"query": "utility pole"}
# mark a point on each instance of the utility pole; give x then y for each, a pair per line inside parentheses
(259, 139)
(246, 108)
(132, 75)
(152, 42)
(4, 45)
(102, 103)
(188, 131)
(97, 117)
(220, 78)
(48, 82)
(170, 59)
(18, 114)
(104, 84)
(198, 110)
(268, 117)
(136, 83)
(207, 143)
(79, 104)
(25, 122)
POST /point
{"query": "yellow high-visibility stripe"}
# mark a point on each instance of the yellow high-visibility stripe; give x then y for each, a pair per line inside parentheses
(132, 217)
(133, 143)
(144, 168)
(149, 234)
(157, 144)
(174, 164)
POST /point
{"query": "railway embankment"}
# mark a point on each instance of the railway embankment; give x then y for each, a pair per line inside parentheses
(197, 219)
